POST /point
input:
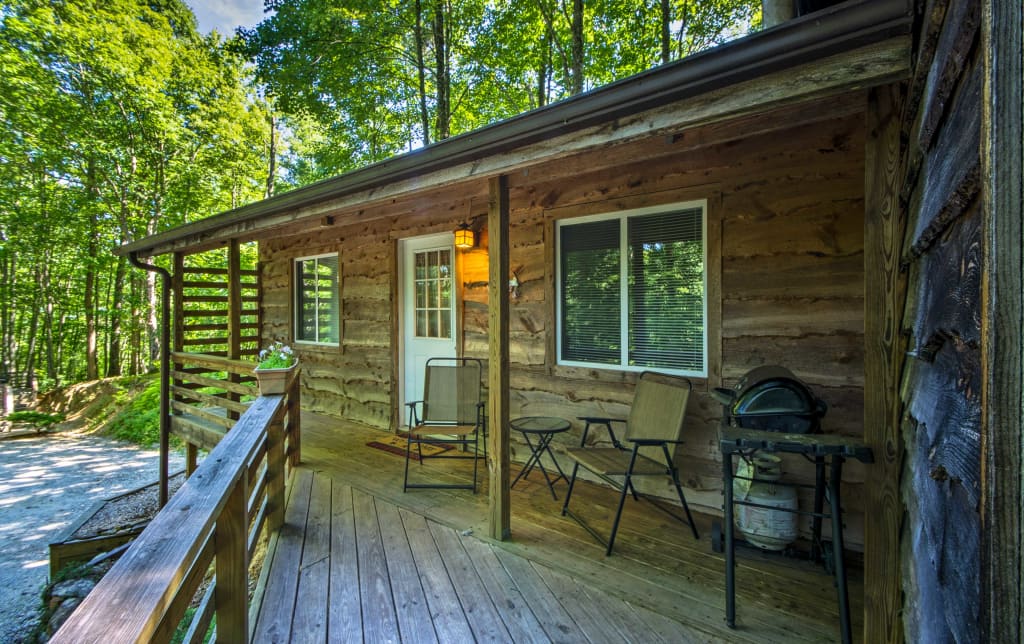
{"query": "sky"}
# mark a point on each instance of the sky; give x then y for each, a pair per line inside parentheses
(226, 15)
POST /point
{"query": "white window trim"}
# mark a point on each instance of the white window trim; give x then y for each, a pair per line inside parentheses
(623, 216)
(295, 301)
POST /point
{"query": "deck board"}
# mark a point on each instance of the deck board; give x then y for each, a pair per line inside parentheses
(414, 566)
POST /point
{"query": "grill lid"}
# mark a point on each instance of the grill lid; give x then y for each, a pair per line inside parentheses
(772, 398)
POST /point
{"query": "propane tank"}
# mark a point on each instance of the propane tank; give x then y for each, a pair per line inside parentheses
(765, 528)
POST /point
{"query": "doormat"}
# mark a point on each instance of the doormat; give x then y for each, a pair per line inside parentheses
(396, 445)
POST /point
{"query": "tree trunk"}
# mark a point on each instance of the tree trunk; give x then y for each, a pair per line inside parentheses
(666, 38)
(272, 155)
(421, 73)
(114, 339)
(92, 371)
(443, 78)
(577, 46)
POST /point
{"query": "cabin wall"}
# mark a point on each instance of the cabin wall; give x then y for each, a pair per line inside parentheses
(941, 392)
(785, 198)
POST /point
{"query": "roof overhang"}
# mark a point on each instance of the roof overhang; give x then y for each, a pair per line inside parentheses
(856, 44)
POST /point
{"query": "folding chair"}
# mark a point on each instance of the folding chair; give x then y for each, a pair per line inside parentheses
(655, 420)
(451, 414)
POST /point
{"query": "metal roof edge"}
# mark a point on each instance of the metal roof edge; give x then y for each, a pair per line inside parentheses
(840, 28)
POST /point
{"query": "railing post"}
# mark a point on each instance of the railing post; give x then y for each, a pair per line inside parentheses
(275, 473)
(232, 555)
(294, 422)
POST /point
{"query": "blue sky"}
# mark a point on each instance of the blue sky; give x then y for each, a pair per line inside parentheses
(225, 15)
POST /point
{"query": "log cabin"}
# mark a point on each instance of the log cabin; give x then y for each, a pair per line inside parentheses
(847, 186)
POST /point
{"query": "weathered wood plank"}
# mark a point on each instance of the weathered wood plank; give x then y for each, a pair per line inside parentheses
(558, 624)
(309, 622)
(498, 360)
(345, 610)
(450, 621)
(197, 431)
(522, 625)
(484, 618)
(415, 619)
(203, 414)
(232, 566)
(210, 399)
(885, 293)
(380, 623)
(275, 618)
(1002, 320)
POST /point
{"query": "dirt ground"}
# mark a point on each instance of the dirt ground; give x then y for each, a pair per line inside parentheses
(46, 482)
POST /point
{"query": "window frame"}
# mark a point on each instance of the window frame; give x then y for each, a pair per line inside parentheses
(623, 217)
(296, 304)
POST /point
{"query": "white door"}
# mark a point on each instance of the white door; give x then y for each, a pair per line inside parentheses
(427, 267)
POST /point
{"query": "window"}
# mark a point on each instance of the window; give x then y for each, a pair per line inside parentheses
(433, 285)
(632, 290)
(316, 299)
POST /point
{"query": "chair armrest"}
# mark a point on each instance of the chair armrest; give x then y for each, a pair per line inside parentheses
(414, 418)
(600, 420)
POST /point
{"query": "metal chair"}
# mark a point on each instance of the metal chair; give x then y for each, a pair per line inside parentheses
(655, 420)
(451, 414)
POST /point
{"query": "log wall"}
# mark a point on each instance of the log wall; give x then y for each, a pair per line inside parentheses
(942, 380)
(785, 194)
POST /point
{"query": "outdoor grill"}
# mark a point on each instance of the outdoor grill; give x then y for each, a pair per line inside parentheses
(772, 398)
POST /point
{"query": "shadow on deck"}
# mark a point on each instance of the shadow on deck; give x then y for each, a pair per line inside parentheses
(357, 555)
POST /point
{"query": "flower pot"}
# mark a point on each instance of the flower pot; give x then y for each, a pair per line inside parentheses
(274, 381)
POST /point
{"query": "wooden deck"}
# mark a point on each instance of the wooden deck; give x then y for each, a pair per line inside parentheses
(358, 560)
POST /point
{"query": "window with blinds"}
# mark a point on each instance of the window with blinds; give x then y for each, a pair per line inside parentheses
(632, 290)
(317, 313)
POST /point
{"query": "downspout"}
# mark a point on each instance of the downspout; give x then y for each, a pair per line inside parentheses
(165, 369)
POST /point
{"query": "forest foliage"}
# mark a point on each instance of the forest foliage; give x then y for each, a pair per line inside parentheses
(119, 119)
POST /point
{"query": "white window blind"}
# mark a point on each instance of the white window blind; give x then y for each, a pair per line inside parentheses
(632, 291)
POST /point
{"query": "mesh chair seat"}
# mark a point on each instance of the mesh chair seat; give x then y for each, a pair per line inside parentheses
(425, 431)
(612, 461)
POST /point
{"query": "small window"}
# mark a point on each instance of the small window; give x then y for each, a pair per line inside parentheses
(316, 299)
(632, 290)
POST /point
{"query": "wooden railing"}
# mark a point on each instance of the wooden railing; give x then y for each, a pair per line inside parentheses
(212, 523)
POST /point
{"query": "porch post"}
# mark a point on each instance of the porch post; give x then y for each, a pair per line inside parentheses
(234, 314)
(1002, 388)
(884, 298)
(498, 373)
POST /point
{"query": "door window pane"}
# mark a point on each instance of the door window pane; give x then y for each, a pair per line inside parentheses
(433, 287)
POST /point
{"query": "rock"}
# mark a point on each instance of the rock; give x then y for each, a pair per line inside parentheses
(77, 588)
(60, 615)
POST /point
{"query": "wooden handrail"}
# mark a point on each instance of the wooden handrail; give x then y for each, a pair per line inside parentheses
(145, 595)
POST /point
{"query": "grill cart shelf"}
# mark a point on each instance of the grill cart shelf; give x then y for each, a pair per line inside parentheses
(824, 450)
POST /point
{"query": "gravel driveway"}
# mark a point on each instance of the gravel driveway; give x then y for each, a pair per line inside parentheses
(46, 482)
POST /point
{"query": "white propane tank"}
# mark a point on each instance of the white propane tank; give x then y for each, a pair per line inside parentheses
(762, 527)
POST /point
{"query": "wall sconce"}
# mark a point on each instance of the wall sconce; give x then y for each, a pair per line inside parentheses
(465, 238)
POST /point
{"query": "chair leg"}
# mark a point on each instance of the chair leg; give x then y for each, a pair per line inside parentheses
(408, 448)
(626, 487)
(568, 494)
(679, 491)
(476, 456)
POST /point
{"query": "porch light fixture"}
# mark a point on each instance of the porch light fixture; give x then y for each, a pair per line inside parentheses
(464, 237)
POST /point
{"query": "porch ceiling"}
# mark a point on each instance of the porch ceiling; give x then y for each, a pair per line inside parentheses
(851, 46)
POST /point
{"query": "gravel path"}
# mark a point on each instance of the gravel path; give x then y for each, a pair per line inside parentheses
(46, 482)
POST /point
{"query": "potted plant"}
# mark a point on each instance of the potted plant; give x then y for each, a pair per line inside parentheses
(274, 371)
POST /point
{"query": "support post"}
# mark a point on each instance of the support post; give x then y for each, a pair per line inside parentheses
(1002, 389)
(885, 345)
(275, 474)
(497, 368)
(234, 315)
(232, 566)
(294, 454)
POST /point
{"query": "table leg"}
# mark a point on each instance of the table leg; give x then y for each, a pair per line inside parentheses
(730, 552)
(838, 560)
(530, 462)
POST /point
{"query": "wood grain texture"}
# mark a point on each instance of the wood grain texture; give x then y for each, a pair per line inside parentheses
(1002, 566)
(498, 460)
(884, 288)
